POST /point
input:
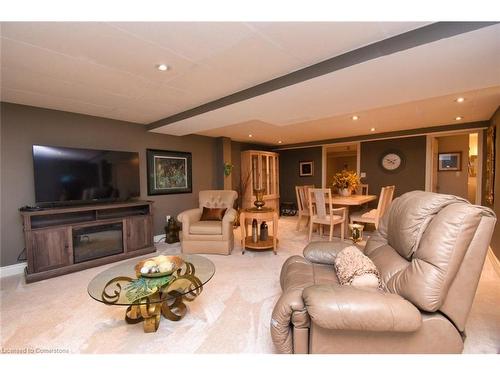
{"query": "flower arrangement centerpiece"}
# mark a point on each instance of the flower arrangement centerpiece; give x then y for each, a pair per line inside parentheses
(345, 182)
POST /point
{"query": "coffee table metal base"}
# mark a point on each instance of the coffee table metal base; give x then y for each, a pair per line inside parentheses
(172, 309)
(171, 306)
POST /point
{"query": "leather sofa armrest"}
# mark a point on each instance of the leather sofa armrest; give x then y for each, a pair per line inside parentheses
(189, 216)
(284, 274)
(323, 252)
(289, 303)
(350, 308)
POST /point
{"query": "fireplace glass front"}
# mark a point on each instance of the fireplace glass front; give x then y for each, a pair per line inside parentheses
(97, 241)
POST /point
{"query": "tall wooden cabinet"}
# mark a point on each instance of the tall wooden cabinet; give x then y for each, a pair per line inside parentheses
(260, 170)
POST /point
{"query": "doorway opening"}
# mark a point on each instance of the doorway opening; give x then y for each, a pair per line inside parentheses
(337, 158)
(456, 161)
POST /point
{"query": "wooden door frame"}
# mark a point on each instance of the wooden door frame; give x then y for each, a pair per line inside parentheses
(429, 160)
(324, 158)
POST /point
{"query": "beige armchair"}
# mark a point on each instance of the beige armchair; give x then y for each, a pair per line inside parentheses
(209, 237)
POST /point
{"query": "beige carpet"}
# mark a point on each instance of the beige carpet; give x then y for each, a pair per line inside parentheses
(232, 314)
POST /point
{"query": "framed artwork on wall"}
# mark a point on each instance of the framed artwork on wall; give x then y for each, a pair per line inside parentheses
(306, 168)
(450, 161)
(490, 164)
(169, 172)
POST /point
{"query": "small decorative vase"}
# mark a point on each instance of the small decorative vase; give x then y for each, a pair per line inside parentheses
(259, 198)
(172, 231)
(255, 231)
(345, 192)
(356, 232)
(264, 231)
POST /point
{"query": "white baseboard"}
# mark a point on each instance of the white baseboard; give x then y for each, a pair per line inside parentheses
(18, 268)
(13, 269)
(158, 238)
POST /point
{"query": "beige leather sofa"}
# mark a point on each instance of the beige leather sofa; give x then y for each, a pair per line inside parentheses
(429, 250)
(209, 237)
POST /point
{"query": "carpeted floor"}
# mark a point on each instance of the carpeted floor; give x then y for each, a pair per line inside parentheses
(232, 315)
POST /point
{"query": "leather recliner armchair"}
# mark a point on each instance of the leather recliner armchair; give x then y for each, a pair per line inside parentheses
(209, 237)
(429, 250)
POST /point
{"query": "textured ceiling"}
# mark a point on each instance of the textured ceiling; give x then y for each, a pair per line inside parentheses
(108, 70)
(409, 89)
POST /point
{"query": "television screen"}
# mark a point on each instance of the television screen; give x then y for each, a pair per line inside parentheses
(74, 175)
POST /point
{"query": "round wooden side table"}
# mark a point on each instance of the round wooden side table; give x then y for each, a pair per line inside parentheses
(266, 214)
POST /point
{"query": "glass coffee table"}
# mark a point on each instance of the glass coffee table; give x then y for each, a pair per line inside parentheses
(147, 298)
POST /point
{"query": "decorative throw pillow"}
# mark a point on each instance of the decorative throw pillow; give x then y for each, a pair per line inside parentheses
(213, 214)
(355, 268)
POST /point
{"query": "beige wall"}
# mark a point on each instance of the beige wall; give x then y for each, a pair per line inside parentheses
(23, 126)
(454, 182)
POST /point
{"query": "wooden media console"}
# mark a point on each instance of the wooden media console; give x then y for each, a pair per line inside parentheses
(68, 239)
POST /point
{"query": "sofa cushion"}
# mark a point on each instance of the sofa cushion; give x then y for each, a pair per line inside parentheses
(409, 216)
(369, 214)
(426, 280)
(212, 214)
(206, 227)
(388, 262)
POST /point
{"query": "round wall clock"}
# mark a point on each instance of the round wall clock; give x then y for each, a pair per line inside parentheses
(392, 161)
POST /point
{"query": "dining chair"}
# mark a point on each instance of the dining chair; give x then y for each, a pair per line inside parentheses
(362, 189)
(302, 202)
(323, 213)
(373, 216)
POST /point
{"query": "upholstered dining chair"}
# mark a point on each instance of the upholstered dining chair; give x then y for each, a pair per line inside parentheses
(209, 233)
(302, 203)
(373, 216)
(323, 213)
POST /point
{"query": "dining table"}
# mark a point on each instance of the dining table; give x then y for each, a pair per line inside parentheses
(348, 202)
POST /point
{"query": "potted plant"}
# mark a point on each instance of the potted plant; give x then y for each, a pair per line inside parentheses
(345, 182)
(228, 168)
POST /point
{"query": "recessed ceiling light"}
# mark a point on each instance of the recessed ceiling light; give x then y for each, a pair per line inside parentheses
(460, 99)
(250, 135)
(372, 129)
(280, 142)
(355, 118)
(162, 67)
(458, 118)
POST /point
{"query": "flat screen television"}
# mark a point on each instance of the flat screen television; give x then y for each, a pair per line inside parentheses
(65, 176)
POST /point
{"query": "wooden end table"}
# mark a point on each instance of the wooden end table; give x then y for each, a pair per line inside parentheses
(266, 214)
